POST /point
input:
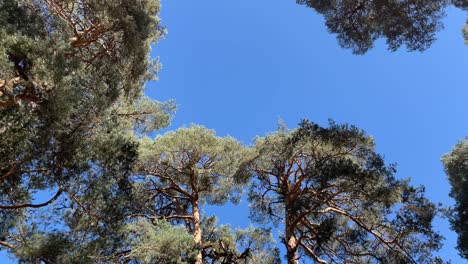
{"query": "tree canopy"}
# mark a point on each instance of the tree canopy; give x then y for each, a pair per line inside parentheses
(336, 199)
(71, 92)
(456, 167)
(179, 172)
(66, 68)
(359, 23)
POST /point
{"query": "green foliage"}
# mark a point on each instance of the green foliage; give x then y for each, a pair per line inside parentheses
(456, 168)
(224, 245)
(160, 243)
(182, 170)
(359, 23)
(55, 92)
(196, 160)
(44, 248)
(72, 75)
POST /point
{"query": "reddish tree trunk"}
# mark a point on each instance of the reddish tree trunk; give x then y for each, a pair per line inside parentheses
(197, 231)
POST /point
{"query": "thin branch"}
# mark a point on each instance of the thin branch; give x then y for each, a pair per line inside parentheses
(170, 217)
(29, 205)
(312, 253)
(5, 244)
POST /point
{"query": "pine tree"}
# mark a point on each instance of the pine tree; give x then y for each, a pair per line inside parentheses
(72, 75)
(457, 172)
(63, 65)
(336, 199)
(359, 23)
(183, 170)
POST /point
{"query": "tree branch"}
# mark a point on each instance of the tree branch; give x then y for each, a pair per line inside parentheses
(312, 253)
(5, 244)
(29, 205)
(170, 217)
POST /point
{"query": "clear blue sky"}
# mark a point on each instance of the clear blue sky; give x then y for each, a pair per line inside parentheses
(236, 66)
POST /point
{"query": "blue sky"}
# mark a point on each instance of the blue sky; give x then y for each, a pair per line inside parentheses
(236, 66)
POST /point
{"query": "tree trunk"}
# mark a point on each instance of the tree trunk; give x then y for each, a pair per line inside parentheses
(197, 231)
(291, 241)
(291, 248)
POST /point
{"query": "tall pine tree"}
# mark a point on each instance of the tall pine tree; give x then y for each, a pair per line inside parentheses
(183, 170)
(337, 201)
(456, 167)
(71, 88)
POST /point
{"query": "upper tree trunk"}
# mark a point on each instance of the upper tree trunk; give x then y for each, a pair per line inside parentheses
(291, 247)
(197, 231)
(291, 241)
